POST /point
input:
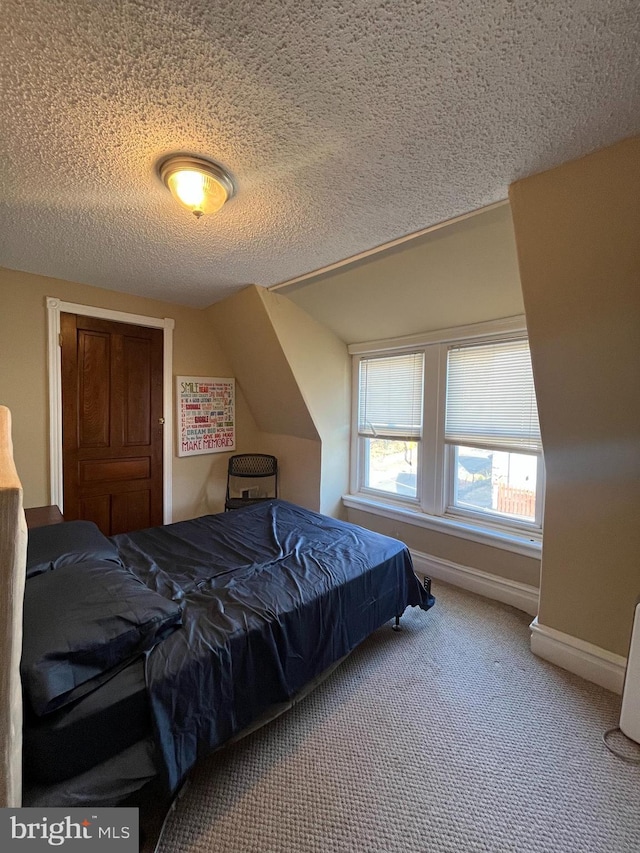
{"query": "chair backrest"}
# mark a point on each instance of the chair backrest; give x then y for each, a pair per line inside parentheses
(253, 465)
(251, 469)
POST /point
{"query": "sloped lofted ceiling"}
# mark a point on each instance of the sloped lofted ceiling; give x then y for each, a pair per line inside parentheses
(344, 124)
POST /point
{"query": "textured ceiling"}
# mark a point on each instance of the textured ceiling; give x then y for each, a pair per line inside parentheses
(345, 124)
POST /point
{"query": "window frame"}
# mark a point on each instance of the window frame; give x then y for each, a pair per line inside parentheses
(435, 467)
(494, 519)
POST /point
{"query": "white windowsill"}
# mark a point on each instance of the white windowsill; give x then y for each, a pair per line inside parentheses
(517, 543)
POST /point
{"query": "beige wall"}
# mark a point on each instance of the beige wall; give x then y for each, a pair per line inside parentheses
(299, 467)
(243, 326)
(198, 481)
(494, 561)
(462, 273)
(295, 374)
(322, 368)
(578, 238)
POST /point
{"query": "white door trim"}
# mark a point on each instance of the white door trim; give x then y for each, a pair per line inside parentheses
(54, 364)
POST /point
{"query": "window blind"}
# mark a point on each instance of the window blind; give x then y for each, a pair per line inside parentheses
(490, 396)
(390, 397)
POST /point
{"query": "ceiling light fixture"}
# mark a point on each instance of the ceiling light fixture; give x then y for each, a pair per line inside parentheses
(200, 185)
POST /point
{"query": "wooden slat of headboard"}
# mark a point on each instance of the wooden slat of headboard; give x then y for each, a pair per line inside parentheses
(13, 553)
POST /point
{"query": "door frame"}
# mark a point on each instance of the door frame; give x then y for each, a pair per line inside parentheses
(55, 307)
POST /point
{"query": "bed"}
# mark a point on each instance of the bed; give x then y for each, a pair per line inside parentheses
(148, 650)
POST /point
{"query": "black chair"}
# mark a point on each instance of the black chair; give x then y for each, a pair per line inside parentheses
(251, 478)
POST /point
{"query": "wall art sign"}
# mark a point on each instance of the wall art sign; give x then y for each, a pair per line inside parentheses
(206, 415)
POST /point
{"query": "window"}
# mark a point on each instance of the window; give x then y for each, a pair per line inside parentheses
(450, 428)
(390, 421)
(492, 436)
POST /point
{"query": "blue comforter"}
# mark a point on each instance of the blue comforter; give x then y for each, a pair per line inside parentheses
(272, 595)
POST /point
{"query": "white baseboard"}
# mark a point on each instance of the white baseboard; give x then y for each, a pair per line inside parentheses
(519, 595)
(584, 659)
(591, 662)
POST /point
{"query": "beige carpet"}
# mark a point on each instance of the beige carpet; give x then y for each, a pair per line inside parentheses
(448, 736)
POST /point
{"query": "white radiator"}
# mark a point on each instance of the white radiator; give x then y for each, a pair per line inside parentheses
(630, 711)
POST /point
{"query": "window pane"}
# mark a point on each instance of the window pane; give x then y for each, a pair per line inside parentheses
(390, 396)
(490, 396)
(390, 466)
(495, 481)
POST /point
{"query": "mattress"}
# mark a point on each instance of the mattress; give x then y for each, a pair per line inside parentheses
(70, 741)
(107, 784)
(271, 596)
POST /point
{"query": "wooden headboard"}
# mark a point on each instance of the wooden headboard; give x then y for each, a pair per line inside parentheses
(13, 556)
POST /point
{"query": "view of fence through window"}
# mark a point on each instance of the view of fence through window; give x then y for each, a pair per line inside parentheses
(495, 481)
(491, 481)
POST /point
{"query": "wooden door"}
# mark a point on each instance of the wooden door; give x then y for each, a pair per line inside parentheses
(111, 423)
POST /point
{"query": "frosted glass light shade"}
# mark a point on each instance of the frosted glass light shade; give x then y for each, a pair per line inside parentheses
(199, 185)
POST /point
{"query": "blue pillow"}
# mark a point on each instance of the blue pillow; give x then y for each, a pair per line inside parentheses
(58, 545)
(82, 624)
